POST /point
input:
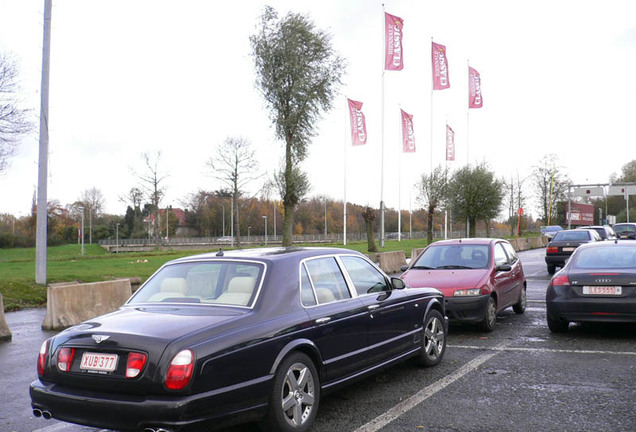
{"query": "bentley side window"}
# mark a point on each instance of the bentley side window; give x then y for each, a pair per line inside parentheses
(327, 279)
(366, 279)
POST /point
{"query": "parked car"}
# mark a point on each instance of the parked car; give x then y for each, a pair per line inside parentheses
(605, 231)
(564, 243)
(550, 230)
(625, 230)
(220, 338)
(479, 278)
(596, 284)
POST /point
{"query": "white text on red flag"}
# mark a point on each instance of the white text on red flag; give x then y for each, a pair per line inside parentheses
(474, 89)
(450, 144)
(393, 53)
(408, 135)
(358, 123)
(440, 67)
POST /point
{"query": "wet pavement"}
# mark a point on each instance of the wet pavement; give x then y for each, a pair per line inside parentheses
(520, 377)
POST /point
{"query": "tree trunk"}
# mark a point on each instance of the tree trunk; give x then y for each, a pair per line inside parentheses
(288, 225)
(473, 227)
(429, 235)
(237, 220)
(369, 217)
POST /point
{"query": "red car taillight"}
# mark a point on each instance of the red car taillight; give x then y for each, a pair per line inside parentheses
(180, 370)
(135, 364)
(65, 359)
(44, 349)
(560, 280)
(552, 249)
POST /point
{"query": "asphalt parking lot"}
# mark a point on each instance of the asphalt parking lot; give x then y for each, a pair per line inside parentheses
(518, 378)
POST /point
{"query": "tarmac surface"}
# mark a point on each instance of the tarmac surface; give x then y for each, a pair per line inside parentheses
(520, 377)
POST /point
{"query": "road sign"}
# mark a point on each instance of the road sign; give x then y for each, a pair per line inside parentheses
(619, 190)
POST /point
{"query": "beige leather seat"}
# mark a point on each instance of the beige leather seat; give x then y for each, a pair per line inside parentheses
(239, 291)
(170, 287)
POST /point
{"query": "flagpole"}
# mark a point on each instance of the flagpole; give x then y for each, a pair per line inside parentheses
(468, 118)
(432, 88)
(344, 224)
(382, 136)
(400, 184)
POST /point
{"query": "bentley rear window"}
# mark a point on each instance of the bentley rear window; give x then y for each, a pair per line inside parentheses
(216, 282)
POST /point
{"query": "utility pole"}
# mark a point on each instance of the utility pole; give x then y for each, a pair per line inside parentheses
(41, 231)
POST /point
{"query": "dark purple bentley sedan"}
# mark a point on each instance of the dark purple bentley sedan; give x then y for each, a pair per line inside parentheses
(252, 335)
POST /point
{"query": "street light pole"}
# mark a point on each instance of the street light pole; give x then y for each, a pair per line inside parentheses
(117, 239)
(265, 217)
(82, 209)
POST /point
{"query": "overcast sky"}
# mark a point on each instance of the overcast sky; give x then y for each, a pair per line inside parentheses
(128, 77)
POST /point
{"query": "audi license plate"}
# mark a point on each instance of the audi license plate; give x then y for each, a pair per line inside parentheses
(602, 290)
(568, 249)
(98, 362)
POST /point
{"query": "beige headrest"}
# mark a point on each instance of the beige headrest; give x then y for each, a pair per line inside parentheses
(241, 284)
(175, 285)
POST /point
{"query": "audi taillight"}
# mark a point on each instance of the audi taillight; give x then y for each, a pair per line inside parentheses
(135, 364)
(552, 249)
(44, 349)
(65, 359)
(560, 280)
(180, 370)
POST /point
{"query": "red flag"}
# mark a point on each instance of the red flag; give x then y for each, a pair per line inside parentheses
(440, 67)
(358, 123)
(408, 136)
(450, 144)
(474, 89)
(393, 58)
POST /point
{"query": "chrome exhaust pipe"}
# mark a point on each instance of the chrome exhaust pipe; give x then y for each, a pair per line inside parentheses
(46, 415)
(37, 412)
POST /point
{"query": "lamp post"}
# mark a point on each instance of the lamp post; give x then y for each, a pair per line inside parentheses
(249, 228)
(265, 217)
(117, 239)
(82, 209)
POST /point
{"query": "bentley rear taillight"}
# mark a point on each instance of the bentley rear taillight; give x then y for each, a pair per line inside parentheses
(180, 370)
(65, 359)
(44, 349)
(135, 364)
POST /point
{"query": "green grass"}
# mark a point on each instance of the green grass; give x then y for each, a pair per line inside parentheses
(66, 263)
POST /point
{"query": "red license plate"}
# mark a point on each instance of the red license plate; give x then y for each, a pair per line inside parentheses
(602, 290)
(99, 362)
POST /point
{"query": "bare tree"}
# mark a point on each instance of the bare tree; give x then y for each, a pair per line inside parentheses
(93, 202)
(152, 184)
(13, 119)
(432, 192)
(516, 201)
(235, 166)
(298, 74)
(551, 186)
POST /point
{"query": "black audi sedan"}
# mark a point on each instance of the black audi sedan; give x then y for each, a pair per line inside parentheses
(563, 245)
(252, 335)
(598, 283)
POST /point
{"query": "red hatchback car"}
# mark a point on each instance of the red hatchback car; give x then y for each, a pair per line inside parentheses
(478, 277)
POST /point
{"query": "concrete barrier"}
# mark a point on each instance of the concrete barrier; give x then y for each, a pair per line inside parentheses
(5, 331)
(389, 262)
(415, 252)
(70, 304)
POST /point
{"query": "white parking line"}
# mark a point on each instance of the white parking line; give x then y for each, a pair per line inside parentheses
(407, 404)
(541, 350)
